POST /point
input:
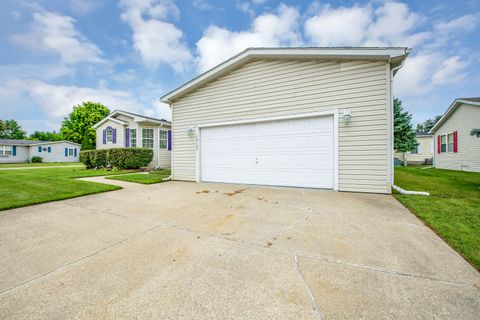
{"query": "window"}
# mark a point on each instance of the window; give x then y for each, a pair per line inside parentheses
(133, 138)
(5, 150)
(443, 143)
(450, 142)
(70, 152)
(109, 132)
(147, 138)
(163, 140)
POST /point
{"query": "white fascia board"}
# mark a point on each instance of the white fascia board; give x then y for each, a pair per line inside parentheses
(96, 125)
(397, 55)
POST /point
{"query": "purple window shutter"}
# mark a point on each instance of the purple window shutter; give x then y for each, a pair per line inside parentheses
(169, 140)
(104, 136)
(127, 137)
(114, 136)
(75, 151)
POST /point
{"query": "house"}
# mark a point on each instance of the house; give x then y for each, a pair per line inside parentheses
(302, 117)
(121, 129)
(18, 151)
(456, 147)
(423, 153)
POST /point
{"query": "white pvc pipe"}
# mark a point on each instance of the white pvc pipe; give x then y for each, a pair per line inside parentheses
(420, 193)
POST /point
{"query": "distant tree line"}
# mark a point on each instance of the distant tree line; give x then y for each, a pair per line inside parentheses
(77, 127)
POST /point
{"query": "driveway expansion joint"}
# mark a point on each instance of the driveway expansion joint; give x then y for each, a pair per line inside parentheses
(309, 290)
(383, 270)
(72, 263)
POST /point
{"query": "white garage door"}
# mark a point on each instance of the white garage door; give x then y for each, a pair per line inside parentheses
(297, 152)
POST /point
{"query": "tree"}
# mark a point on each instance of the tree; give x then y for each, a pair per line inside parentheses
(46, 136)
(10, 129)
(404, 135)
(78, 126)
(428, 124)
(475, 132)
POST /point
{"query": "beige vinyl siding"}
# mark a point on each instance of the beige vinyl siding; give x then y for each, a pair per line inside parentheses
(425, 151)
(272, 88)
(165, 159)
(120, 143)
(463, 120)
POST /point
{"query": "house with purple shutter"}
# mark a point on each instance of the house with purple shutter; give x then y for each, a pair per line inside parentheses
(122, 129)
(457, 146)
(22, 151)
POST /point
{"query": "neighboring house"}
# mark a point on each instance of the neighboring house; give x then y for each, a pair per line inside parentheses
(18, 151)
(121, 129)
(304, 117)
(455, 147)
(423, 153)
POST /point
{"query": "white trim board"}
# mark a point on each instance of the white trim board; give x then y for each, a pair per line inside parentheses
(333, 113)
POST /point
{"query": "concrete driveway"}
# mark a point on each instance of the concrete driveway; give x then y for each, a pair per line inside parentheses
(211, 251)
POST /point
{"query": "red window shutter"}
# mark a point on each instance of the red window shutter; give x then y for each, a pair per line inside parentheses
(455, 141)
(439, 144)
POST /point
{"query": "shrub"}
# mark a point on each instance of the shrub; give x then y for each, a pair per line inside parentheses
(37, 159)
(86, 158)
(118, 158)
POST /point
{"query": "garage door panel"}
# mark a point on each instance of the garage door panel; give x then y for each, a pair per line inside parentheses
(295, 152)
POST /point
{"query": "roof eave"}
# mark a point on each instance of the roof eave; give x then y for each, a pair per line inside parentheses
(394, 56)
(449, 111)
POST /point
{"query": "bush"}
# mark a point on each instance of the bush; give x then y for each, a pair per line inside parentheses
(119, 158)
(86, 158)
(37, 159)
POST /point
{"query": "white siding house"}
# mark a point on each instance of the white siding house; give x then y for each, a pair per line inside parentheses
(20, 151)
(306, 117)
(423, 153)
(455, 146)
(121, 129)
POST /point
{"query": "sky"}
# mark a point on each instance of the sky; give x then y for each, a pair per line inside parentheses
(128, 53)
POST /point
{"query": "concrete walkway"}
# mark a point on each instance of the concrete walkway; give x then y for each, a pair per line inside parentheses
(215, 251)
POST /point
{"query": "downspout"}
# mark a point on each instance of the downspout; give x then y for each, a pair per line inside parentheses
(392, 133)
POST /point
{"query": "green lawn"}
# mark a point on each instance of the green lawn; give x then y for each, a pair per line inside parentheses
(453, 208)
(20, 188)
(149, 178)
(42, 164)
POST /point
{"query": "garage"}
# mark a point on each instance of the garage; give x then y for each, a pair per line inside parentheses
(294, 117)
(289, 152)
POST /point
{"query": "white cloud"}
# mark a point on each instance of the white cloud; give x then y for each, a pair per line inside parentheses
(413, 78)
(391, 24)
(202, 5)
(270, 29)
(56, 34)
(57, 100)
(464, 23)
(82, 7)
(156, 40)
(339, 27)
(450, 71)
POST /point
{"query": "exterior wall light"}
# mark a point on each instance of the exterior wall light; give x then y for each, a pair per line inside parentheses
(347, 115)
(190, 132)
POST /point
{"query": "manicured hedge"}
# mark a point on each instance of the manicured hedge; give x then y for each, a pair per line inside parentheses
(120, 158)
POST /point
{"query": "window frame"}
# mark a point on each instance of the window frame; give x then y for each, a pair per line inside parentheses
(133, 138)
(446, 145)
(108, 134)
(443, 143)
(148, 139)
(163, 141)
(449, 143)
(71, 154)
(3, 150)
